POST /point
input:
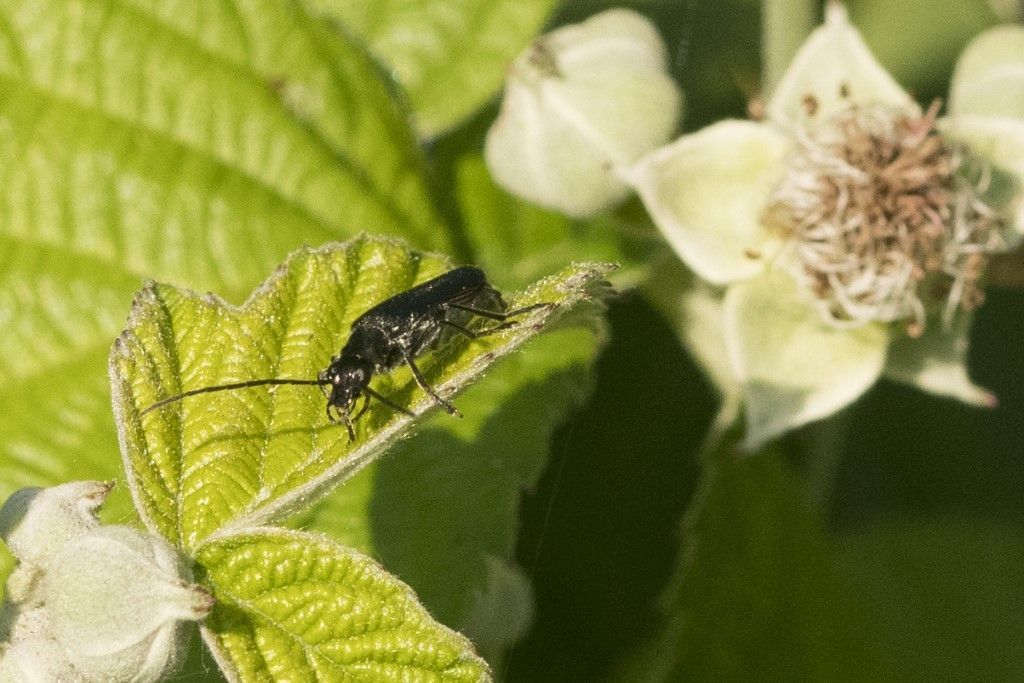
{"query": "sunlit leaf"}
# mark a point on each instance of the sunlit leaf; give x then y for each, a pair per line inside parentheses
(195, 143)
(294, 605)
(450, 55)
(244, 457)
(441, 510)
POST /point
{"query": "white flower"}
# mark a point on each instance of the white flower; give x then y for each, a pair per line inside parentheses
(118, 600)
(90, 602)
(848, 231)
(580, 103)
(36, 523)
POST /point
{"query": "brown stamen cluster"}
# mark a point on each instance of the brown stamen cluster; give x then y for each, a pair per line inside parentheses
(882, 222)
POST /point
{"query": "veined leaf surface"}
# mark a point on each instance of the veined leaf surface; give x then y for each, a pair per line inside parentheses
(240, 458)
(298, 606)
(195, 143)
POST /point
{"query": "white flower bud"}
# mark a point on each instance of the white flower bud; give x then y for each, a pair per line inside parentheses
(36, 660)
(580, 103)
(117, 600)
(36, 523)
(30, 654)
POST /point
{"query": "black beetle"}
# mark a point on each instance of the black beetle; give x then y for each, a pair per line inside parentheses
(394, 332)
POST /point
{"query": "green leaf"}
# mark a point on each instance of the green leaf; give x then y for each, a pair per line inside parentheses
(757, 594)
(6, 567)
(943, 596)
(450, 55)
(441, 510)
(196, 143)
(241, 458)
(516, 241)
(299, 606)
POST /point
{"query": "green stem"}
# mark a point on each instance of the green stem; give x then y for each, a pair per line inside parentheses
(784, 26)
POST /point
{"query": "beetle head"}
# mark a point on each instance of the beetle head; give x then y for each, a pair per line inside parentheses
(348, 377)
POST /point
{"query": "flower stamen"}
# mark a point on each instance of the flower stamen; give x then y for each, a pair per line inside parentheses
(883, 220)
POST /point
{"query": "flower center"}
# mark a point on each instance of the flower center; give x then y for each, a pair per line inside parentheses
(882, 220)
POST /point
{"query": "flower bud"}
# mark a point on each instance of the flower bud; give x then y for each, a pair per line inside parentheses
(36, 523)
(117, 600)
(32, 660)
(580, 103)
(88, 602)
(29, 652)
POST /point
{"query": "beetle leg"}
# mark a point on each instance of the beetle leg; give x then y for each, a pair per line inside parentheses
(460, 329)
(420, 380)
(483, 313)
(322, 376)
(366, 404)
(348, 424)
(388, 402)
(531, 307)
(495, 315)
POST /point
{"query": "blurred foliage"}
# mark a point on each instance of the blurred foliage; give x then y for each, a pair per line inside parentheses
(941, 595)
(600, 531)
(918, 41)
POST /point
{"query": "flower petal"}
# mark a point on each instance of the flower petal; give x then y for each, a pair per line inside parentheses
(989, 76)
(936, 362)
(700, 327)
(581, 102)
(706, 192)
(1000, 140)
(834, 67)
(117, 598)
(36, 523)
(794, 367)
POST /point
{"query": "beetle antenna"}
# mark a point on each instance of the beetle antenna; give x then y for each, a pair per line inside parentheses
(236, 385)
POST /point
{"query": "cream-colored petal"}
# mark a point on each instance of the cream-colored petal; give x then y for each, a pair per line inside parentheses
(613, 39)
(989, 76)
(1000, 140)
(580, 103)
(833, 69)
(36, 523)
(793, 366)
(706, 192)
(936, 362)
(116, 599)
